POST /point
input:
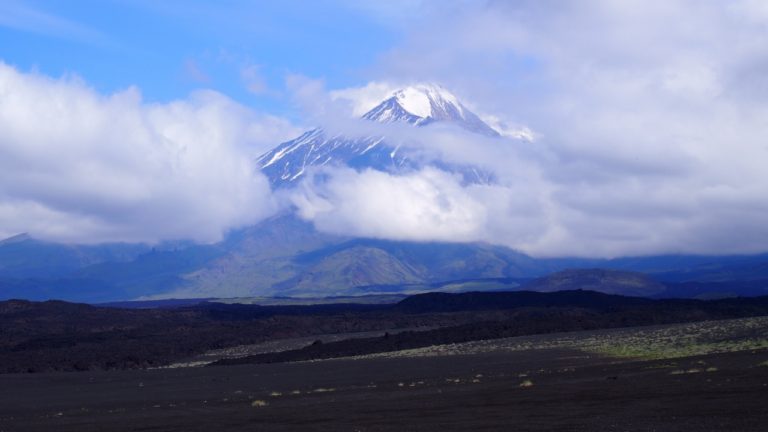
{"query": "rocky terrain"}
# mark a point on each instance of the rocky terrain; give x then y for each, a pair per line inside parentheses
(556, 382)
(59, 336)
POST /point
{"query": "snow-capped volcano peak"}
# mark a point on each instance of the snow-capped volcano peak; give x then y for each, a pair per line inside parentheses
(425, 99)
(421, 104)
(417, 105)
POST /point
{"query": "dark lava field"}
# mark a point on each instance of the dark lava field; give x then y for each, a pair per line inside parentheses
(567, 361)
(534, 390)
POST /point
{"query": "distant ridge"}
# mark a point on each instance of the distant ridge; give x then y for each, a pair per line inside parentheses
(607, 281)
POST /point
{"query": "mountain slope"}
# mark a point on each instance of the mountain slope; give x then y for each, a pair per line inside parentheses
(354, 267)
(287, 256)
(256, 259)
(22, 256)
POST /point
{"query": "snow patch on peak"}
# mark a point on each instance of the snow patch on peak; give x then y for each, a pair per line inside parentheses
(414, 101)
(422, 104)
(422, 99)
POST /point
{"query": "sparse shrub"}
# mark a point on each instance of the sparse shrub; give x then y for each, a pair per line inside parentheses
(324, 390)
(689, 371)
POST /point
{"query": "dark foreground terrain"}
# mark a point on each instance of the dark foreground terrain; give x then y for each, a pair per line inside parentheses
(58, 336)
(551, 389)
(567, 361)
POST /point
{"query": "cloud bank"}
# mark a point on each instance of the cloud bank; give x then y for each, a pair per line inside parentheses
(648, 137)
(649, 122)
(78, 166)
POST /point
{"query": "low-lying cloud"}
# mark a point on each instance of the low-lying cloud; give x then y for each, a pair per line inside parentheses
(78, 166)
(425, 205)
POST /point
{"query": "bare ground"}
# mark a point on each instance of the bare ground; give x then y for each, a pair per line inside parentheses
(554, 388)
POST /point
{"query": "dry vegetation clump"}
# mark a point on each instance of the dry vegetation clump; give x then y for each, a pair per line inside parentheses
(692, 371)
(526, 383)
(684, 340)
(649, 343)
(323, 390)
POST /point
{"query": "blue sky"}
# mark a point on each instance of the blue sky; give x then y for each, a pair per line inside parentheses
(170, 48)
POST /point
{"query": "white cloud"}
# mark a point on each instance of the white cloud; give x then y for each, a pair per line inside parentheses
(253, 80)
(649, 123)
(429, 205)
(425, 205)
(77, 166)
(193, 72)
(365, 98)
